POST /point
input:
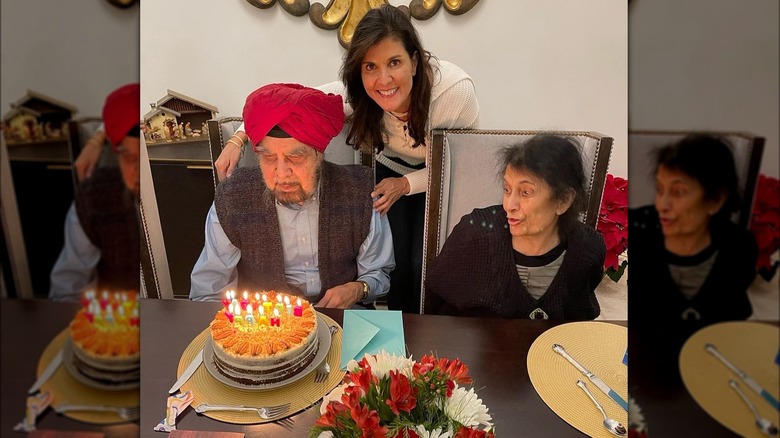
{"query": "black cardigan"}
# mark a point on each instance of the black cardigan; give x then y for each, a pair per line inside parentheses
(475, 273)
(656, 305)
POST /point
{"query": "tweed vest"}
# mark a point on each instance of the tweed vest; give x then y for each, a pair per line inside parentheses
(247, 213)
(109, 217)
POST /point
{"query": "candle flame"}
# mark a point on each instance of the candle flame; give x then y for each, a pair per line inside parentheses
(249, 309)
(265, 297)
(286, 300)
(276, 313)
(246, 295)
(278, 298)
(299, 302)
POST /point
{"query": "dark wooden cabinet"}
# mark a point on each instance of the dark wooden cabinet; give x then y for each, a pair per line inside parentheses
(184, 188)
(43, 184)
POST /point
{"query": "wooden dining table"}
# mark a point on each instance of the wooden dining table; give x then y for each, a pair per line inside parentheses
(494, 350)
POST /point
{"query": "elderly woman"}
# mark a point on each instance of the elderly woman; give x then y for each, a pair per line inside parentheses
(690, 264)
(530, 257)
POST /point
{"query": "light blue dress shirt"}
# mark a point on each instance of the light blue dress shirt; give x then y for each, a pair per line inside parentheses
(215, 271)
(74, 271)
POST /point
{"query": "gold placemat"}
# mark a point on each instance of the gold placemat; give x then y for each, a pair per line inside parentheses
(66, 389)
(749, 346)
(301, 394)
(599, 347)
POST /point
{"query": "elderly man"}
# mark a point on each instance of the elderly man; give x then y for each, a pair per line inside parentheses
(102, 235)
(297, 224)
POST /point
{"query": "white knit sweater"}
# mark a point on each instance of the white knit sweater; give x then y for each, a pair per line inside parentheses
(453, 106)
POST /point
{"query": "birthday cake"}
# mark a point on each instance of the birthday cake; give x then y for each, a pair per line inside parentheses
(259, 341)
(104, 339)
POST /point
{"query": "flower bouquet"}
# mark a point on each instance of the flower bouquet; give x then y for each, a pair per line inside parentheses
(613, 224)
(765, 224)
(393, 396)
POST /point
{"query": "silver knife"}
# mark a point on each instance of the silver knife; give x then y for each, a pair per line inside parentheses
(745, 378)
(47, 373)
(196, 361)
(593, 378)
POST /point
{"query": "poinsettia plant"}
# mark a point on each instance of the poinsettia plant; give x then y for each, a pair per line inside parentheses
(765, 224)
(613, 224)
(389, 396)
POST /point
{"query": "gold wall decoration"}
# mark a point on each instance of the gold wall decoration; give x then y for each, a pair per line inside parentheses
(346, 14)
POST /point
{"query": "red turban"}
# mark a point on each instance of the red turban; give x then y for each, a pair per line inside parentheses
(308, 115)
(121, 112)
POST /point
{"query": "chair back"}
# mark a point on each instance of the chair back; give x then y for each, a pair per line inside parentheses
(746, 148)
(465, 174)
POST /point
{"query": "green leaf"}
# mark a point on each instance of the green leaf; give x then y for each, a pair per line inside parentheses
(615, 275)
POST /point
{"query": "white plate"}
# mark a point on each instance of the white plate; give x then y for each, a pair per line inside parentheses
(323, 336)
(68, 360)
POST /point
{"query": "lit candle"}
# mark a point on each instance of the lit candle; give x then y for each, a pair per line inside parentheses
(266, 304)
(226, 300)
(249, 317)
(104, 300)
(262, 320)
(288, 306)
(275, 319)
(121, 317)
(245, 300)
(134, 320)
(109, 315)
(85, 300)
(229, 313)
(279, 304)
(298, 310)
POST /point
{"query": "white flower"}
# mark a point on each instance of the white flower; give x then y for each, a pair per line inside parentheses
(636, 420)
(382, 363)
(435, 433)
(326, 434)
(333, 396)
(466, 408)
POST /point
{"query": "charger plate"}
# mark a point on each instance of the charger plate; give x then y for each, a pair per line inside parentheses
(300, 394)
(749, 346)
(599, 347)
(68, 389)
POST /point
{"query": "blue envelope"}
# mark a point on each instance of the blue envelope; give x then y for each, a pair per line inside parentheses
(370, 331)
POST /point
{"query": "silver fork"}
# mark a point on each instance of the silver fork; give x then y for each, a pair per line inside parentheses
(323, 370)
(265, 412)
(125, 412)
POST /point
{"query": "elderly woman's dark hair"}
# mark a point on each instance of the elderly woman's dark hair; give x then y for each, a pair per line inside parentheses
(709, 161)
(557, 161)
(365, 130)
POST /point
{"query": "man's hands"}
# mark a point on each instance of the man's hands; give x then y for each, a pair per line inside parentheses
(231, 153)
(342, 296)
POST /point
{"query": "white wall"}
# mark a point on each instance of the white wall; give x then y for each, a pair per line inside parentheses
(537, 64)
(76, 51)
(706, 65)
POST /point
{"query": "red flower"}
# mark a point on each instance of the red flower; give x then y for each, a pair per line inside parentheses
(613, 219)
(362, 380)
(368, 422)
(425, 365)
(402, 395)
(765, 224)
(332, 411)
(467, 432)
(456, 370)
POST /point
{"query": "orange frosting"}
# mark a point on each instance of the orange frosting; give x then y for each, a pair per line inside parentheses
(256, 340)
